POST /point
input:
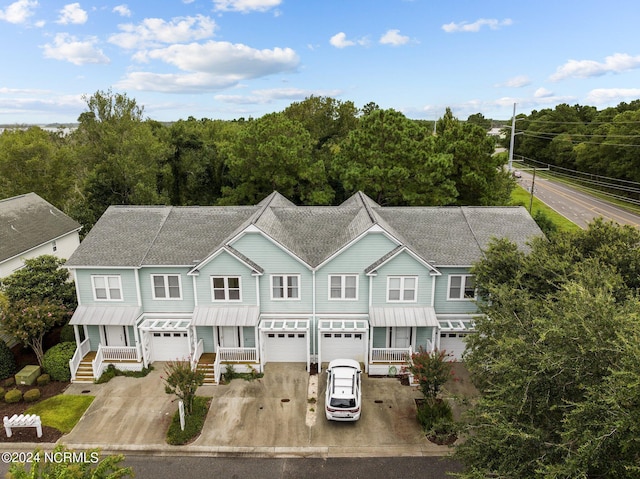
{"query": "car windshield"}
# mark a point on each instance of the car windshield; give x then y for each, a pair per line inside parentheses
(343, 402)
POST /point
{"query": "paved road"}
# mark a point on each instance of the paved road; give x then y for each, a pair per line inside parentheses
(155, 467)
(575, 205)
(279, 468)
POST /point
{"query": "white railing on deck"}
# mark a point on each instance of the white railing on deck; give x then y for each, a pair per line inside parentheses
(237, 355)
(119, 353)
(81, 352)
(390, 355)
(216, 369)
(197, 354)
(96, 364)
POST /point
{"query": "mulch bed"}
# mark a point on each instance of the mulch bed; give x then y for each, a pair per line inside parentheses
(28, 434)
(25, 356)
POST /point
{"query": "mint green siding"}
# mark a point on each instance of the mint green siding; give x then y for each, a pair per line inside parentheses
(127, 280)
(402, 265)
(249, 337)
(206, 334)
(444, 305)
(380, 338)
(353, 260)
(225, 264)
(275, 261)
(132, 336)
(94, 336)
(149, 304)
(423, 335)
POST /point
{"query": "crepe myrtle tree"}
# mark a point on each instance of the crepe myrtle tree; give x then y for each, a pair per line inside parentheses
(432, 369)
(183, 381)
(28, 322)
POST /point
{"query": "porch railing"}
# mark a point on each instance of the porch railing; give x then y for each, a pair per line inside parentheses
(390, 355)
(197, 354)
(216, 369)
(81, 352)
(113, 353)
(237, 355)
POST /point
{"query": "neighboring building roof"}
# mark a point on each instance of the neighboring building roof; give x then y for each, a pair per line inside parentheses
(28, 221)
(132, 236)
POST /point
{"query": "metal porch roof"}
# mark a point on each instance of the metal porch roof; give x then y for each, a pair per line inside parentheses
(106, 315)
(403, 317)
(225, 316)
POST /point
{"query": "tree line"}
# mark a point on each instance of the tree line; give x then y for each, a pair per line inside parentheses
(581, 138)
(317, 151)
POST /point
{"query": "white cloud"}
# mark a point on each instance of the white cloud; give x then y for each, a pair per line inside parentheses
(210, 66)
(492, 23)
(245, 6)
(515, 82)
(542, 93)
(18, 12)
(122, 10)
(67, 47)
(153, 32)
(224, 58)
(393, 38)
(339, 40)
(72, 13)
(268, 96)
(607, 96)
(616, 63)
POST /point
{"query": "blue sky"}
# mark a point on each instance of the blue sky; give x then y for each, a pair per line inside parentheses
(226, 59)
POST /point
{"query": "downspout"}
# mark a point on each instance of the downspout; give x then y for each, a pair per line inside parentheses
(136, 332)
(371, 278)
(433, 303)
(256, 330)
(313, 330)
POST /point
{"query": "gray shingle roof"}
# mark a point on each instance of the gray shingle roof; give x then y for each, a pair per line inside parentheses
(27, 221)
(161, 235)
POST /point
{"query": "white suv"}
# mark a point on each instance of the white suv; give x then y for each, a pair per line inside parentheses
(344, 396)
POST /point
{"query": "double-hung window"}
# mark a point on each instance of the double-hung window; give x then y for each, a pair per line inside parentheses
(166, 286)
(343, 286)
(226, 288)
(402, 288)
(285, 287)
(107, 288)
(462, 286)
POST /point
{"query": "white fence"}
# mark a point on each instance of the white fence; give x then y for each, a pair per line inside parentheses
(238, 355)
(197, 354)
(106, 354)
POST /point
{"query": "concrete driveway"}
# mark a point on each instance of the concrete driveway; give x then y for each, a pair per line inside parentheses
(264, 417)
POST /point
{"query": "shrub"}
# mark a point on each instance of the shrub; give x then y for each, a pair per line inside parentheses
(13, 396)
(43, 380)
(2, 391)
(431, 369)
(31, 395)
(9, 382)
(433, 412)
(56, 361)
(67, 335)
(7, 361)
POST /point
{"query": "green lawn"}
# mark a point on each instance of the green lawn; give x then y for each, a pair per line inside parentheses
(520, 196)
(61, 412)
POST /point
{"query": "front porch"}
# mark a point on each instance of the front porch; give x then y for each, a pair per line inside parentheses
(86, 366)
(243, 360)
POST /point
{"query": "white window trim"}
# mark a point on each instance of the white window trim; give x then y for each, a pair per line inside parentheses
(166, 287)
(343, 287)
(284, 283)
(462, 288)
(226, 289)
(402, 289)
(106, 279)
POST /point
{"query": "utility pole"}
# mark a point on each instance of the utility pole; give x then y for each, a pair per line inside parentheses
(533, 185)
(513, 135)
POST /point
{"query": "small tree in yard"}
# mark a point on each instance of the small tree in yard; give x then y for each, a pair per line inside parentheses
(29, 322)
(431, 370)
(182, 381)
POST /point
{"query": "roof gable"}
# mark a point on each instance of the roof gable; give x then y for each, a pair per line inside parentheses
(27, 221)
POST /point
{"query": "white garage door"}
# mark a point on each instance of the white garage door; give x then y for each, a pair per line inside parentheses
(453, 343)
(285, 347)
(169, 346)
(342, 346)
